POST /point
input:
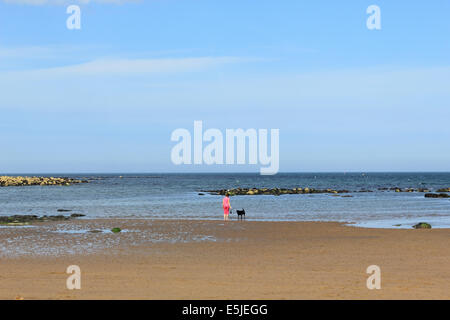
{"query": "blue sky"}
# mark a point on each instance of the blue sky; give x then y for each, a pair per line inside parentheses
(106, 98)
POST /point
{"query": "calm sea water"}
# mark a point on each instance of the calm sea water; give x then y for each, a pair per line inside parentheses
(175, 196)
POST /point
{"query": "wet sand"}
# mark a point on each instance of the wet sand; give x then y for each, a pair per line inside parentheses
(173, 259)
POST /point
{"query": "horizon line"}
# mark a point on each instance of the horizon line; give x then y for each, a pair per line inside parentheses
(210, 172)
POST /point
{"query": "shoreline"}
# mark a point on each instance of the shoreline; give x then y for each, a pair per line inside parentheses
(210, 259)
(42, 220)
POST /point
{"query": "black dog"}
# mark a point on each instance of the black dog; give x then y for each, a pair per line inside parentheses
(241, 214)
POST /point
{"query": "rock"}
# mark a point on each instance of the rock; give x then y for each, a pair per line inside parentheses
(116, 230)
(443, 190)
(276, 192)
(201, 194)
(77, 215)
(63, 210)
(436, 195)
(422, 225)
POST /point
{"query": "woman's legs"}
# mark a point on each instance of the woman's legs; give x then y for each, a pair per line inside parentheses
(226, 211)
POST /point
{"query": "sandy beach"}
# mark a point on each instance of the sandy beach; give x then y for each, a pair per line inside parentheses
(173, 259)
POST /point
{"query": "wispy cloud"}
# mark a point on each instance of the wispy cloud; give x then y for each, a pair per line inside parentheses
(136, 66)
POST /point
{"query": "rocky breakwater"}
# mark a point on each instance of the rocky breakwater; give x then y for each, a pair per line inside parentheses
(10, 181)
(272, 191)
(335, 192)
(397, 189)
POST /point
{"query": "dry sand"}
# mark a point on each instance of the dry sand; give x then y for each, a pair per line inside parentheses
(172, 259)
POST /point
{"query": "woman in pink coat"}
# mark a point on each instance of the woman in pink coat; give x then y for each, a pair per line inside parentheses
(226, 206)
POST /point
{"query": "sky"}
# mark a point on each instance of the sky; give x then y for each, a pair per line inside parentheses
(106, 97)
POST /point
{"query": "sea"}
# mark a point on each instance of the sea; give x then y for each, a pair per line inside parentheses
(183, 196)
